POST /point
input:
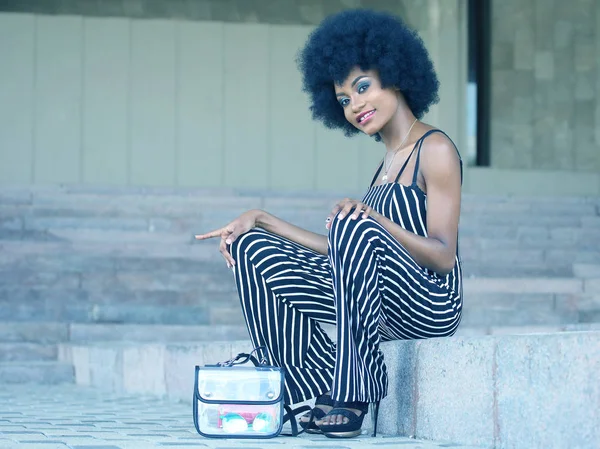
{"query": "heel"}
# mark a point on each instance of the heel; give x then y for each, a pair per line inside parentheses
(374, 416)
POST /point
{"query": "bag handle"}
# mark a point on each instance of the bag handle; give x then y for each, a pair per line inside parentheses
(242, 358)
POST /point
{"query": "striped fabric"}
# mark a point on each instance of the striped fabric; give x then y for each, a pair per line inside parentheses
(368, 285)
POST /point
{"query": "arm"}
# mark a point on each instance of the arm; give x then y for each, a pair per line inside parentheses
(440, 168)
(271, 223)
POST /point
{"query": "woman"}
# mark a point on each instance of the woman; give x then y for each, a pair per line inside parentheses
(389, 267)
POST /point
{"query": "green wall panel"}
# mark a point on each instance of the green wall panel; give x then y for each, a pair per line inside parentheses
(58, 99)
(17, 53)
(152, 90)
(105, 148)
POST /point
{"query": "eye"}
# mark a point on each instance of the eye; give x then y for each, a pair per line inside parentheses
(344, 101)
(362, 87)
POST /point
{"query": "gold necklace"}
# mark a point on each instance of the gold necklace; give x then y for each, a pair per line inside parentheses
(386, 167)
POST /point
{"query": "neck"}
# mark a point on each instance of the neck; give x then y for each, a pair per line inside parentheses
(394, 132)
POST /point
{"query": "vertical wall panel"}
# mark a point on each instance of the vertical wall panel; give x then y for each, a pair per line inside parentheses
(597, 112)
(292, 133)
(17, 54)
(432, 44)
(200, 103)
(153, 155)
(59, 46)
(105, 101)
(452, 90)
(246, 99)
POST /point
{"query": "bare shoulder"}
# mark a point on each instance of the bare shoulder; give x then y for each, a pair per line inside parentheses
(439, 155)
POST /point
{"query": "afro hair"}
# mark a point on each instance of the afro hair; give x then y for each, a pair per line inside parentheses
(370, 40)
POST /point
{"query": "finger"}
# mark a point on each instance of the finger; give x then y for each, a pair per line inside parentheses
(208, 235)
(346, 210)
(233, 235)
(223, 248)
(357, 210)
(224, 252)
(367, 211)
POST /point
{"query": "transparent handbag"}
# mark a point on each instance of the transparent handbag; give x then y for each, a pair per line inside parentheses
(234, 401)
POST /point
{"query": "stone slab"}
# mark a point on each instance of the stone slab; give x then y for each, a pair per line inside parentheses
(547, 391)
(33, 332)
(455, 390)
(46, 373)
(463, 389)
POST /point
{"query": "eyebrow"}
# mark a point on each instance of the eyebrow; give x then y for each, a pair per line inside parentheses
(353, 83)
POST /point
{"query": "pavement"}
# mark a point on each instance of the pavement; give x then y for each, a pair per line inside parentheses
(67, 416)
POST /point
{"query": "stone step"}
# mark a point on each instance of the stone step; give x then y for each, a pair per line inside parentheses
(75, 310)
(161, 198)
(44, 333)
(435, 386)
(46, 373)
(147, 333)
(191, 218)
(490, 224)
(490, 269)
(168, 287)
(20, 352)
(586, 270)
(480, 309)
(479, 331)
(101, 256)
(481, 239)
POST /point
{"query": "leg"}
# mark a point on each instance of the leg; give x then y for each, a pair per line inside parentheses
(379, 289)
(285, 291)
(355, 256)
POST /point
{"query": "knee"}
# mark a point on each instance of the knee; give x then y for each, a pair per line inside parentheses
(347, 231)
(246, 244)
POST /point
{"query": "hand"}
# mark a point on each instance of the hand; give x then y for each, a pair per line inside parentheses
(231, 232)
(347, 206)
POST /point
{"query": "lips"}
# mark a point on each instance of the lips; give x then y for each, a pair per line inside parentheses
(365, 117)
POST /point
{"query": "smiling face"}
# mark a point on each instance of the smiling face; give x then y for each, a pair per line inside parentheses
(366, 104)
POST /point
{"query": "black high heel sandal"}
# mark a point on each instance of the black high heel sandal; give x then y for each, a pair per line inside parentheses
(316, 414)
(353, 427)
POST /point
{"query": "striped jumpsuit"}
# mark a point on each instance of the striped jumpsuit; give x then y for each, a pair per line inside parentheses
(368, 285)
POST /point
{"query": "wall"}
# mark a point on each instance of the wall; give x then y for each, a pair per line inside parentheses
(167, 101)
(546, 84)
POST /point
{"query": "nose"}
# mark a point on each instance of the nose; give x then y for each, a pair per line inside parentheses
(357, 104)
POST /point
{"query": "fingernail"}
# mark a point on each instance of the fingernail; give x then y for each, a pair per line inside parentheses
(340, 217)
(228, 242)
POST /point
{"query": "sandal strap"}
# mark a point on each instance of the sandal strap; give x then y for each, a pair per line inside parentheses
(362, 406)
(345, 412)
(325, 399)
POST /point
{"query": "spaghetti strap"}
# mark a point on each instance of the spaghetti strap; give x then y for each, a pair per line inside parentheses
(420, 143)
(405, 164)
(376, 174)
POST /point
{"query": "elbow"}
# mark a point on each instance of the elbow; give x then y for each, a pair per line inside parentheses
(446, 263)
(444, 271)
